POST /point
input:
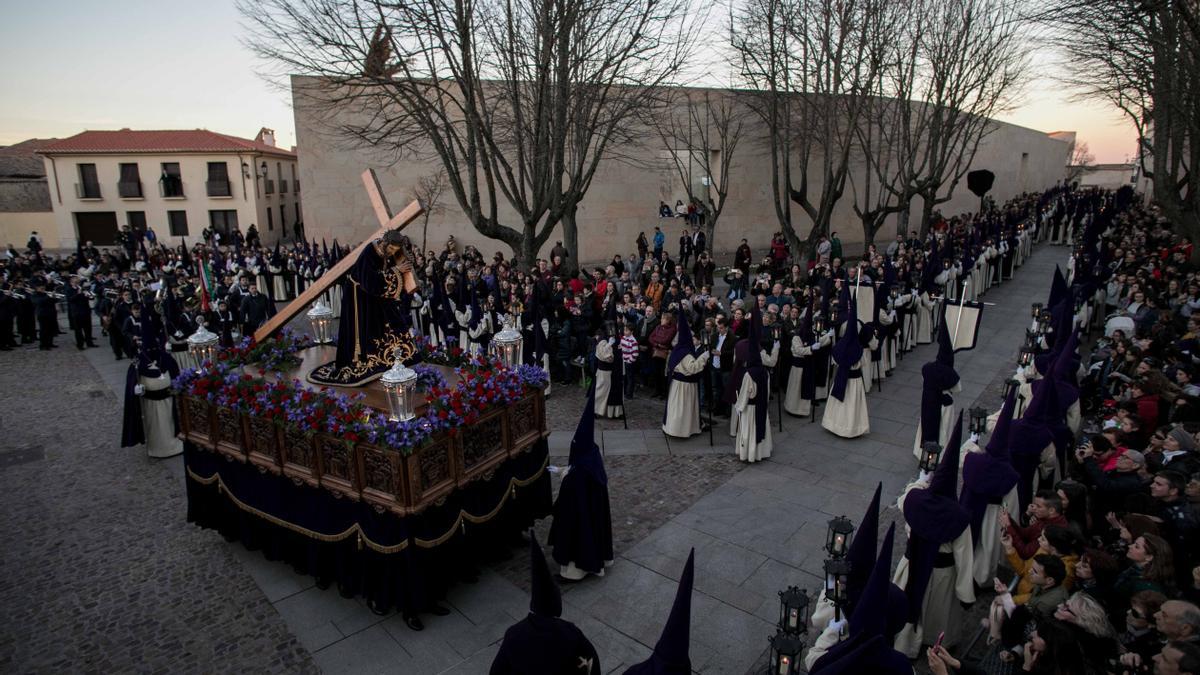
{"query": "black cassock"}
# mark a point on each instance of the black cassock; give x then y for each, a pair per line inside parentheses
(545, 645)
(373, 325)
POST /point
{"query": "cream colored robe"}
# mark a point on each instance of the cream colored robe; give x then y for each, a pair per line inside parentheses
(683, 399)
(606, 354)
(748, 448)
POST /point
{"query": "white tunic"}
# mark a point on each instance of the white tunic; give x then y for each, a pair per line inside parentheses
(158, 421)
(749, 449)
(924, 317)
(849, 418)
(683, 399)
(604, 354)
(939, 611)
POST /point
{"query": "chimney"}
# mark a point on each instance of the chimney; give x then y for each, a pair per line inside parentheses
(266, 136)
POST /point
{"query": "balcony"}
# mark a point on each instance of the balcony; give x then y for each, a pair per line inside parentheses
(170, 188)
(218, 188)
(270, 187)
(87, 191)
(283, 184)
(129, 189)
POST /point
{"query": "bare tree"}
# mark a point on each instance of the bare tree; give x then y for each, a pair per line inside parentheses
(1081, 159)
(1143, 57)
(812, 66)
(429, 190)
(696, 127)
(519, 101)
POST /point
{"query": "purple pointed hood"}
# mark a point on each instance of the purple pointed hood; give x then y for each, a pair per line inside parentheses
(933, 513)
(862, 550)
(670, 656)
(545, 598)
(585, 454)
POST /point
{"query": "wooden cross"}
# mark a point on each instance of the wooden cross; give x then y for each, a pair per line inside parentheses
(387, 221)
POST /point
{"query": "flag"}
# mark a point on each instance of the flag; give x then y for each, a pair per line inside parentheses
(206, 286)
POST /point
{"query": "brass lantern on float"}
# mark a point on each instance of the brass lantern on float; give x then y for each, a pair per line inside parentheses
(400, 388)
(202, 345)
(321, 318)
(506, 346)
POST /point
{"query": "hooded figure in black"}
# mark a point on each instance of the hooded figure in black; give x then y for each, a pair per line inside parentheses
(939, 557)
(581, 534)
(749, 423)
(1035, 439)
(685, 368)
(670, 656)
(543, 643)
(877, 618)
(939, 380)
(149, 407)
(989, 485)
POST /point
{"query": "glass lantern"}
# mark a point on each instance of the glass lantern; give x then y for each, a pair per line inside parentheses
(785, 654)
(202, 345)
(978, 420)
(506, 346)
(400, 388)
(1011, 386)
(837, 573)
(1031, 338)
(321, 318)
(1026, 358)
(1037, 310)
(837, 536)
(931, 452)
(793, 611)
(818, 327)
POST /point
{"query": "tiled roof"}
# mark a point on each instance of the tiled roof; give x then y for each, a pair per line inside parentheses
(127, 141)
(21, 161)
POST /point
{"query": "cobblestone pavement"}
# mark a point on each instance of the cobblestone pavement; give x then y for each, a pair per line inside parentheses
(99, 571)
(645, 492)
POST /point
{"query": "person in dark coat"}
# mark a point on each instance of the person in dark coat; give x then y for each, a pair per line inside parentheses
(542, 642)
(79, 315)
(254, 310)
(46, 312)
(670, 655)
(581, 534)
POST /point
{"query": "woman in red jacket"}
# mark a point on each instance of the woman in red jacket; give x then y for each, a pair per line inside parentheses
(1142, 393)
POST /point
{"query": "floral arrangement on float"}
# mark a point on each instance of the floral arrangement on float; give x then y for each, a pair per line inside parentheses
(278, 353)
(483, 385)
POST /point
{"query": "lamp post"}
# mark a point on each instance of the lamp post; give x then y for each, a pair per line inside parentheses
(931, 452)
(400, 386)
(321, 318)
(785, 654)
(793, 611)
(506, 346)
(837, 536)
(202, 345)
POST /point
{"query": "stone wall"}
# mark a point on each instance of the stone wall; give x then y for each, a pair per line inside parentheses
(624, 196)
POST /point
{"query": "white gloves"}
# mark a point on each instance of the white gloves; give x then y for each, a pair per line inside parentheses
(139, 389)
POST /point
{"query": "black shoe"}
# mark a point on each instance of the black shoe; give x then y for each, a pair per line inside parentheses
(414, 622)
(376, 608)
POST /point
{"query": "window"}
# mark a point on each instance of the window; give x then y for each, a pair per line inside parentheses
(218, 180)
(136, 220)
(88, 186)
(270, 219)
(171, 182)
(282, 218)
(129, 185)
(177, 223)
(297, 205)
(225, 222)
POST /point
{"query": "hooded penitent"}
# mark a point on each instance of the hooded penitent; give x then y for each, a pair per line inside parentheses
(846, 353)
(808, 375)
(670, 655)
(873, 625)
(759, 374)
(152, 361)
(934, 517)
(542, 642)
(1059, 290)
(862, 553)
(1037, 428)
(683, 348)
(989, 476)
(582, 529)
(937, 377)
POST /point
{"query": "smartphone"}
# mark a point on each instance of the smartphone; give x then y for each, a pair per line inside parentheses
(938, 644)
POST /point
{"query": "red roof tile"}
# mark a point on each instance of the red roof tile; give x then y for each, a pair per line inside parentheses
(127, 141)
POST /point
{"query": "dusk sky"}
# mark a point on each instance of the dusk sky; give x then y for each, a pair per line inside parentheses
(177, 65)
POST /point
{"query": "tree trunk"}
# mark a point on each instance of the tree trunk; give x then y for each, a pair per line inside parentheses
(571, 240)
(926, 213)
(902, 219)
